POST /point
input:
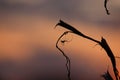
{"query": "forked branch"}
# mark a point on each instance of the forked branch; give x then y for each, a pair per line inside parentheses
(103, 43)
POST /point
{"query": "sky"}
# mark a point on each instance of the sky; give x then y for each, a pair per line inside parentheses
(28, 37)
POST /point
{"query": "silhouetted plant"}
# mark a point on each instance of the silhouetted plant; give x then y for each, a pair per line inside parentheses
(103, 43)
(105, 5)
(66, 57)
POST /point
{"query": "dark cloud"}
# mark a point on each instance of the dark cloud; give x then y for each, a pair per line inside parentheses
(50, 7)
(80, 10)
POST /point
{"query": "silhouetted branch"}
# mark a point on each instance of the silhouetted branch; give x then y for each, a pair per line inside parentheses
(66, 57)
(106, 47)
(105, 5)
(75, 31)
(103, 43)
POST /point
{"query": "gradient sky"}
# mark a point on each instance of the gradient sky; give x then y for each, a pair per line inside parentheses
(28, 37)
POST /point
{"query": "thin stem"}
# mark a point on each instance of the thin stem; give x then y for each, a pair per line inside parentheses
(68, 63)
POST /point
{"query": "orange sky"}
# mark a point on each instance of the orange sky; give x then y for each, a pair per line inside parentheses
(18, 44)
(25, 32)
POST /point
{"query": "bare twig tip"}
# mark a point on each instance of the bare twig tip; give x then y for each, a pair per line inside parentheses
(105, 5)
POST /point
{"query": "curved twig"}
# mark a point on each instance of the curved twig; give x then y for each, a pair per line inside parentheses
(68, 66)
(105, 5)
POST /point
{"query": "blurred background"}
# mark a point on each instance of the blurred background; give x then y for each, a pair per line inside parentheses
(28, 37)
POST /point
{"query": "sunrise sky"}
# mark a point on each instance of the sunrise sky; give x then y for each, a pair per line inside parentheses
(28, 37)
